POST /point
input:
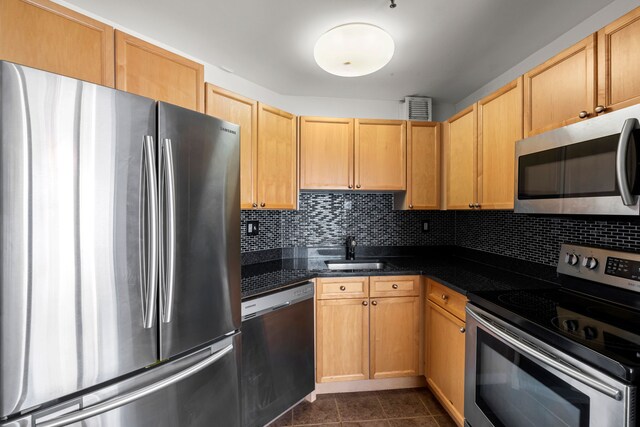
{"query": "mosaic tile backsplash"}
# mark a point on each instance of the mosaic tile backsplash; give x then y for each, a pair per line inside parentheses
(326, 219)
(538, 238)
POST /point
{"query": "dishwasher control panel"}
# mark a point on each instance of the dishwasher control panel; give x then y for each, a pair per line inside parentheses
(275, 300)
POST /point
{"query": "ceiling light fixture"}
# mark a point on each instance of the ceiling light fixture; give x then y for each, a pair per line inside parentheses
(353, 50)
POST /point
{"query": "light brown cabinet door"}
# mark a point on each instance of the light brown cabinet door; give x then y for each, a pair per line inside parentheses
(618, 62)
(326, 153)
(380, 155)
(461, 157)
(499, 127)
(445, 359)
(395, 337)
(242, 111)
(557, 91)
(45, 35)
(277, 159)
(423, 166)
(148, 70)
(342, 340)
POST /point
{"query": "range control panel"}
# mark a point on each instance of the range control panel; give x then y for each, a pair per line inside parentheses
(614, 268)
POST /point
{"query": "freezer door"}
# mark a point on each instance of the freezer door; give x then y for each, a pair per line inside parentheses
(199, 390)
(71, 259)
(199, 227)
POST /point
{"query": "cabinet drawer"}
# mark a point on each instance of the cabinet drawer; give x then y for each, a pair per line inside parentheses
(446, 298)
(342, 287)
(395, 286)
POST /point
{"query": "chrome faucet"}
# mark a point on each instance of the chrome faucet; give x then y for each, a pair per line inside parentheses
(351, 247)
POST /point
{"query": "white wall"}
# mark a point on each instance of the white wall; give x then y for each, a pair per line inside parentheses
(610, 13)
(299, 105)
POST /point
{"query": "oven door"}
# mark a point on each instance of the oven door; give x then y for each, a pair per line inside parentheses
(586, 168)
(514, 380)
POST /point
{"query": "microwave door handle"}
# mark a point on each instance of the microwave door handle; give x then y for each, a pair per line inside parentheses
(621, 162)
(534, 353)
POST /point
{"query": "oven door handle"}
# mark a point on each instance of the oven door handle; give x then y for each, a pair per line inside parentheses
(621, 162)
(561, 366)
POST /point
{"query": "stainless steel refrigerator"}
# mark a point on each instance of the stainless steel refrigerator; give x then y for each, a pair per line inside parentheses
(119, 258)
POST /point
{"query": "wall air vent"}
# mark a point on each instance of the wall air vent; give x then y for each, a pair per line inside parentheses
(418, 108)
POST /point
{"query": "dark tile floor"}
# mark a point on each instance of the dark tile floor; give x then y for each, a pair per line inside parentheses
(388, 408)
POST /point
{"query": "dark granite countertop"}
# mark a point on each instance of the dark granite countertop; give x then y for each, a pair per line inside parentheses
(464, 271)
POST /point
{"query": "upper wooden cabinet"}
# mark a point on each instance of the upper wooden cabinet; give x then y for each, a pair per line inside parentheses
(562, 90)
(618, 62)
(461, 154)
(480, 151)
(380, 155)
(326, 153)
(45, 35)
(346, 154)
(151, 71)
(423, 167)
(244, 112)
(499, 127)
(277, 159)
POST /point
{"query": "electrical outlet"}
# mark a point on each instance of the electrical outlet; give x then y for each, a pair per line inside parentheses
(253, 228)
(425, 226)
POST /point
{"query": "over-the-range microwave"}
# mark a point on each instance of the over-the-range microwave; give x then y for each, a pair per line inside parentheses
(589, 168)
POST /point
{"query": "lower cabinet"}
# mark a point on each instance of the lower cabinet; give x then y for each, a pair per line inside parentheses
(444, 342)
(342, 340)
(395, 337)
(361, 335)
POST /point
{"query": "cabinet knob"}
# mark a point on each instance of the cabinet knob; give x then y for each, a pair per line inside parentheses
(445, 297)
(470, 205)
(394, 286)
(477, 206)
(255, 205)
(358, 186)
(583, 114)
(343, 288)
(410, 206)
(462, 330)
(350, 186)
(263, 204)
(600, 109)
(374, 302)
(365, 303)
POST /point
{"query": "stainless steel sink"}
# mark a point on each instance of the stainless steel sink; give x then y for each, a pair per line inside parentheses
(356, 264)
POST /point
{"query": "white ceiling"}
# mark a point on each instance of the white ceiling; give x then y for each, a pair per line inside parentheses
(444, 48)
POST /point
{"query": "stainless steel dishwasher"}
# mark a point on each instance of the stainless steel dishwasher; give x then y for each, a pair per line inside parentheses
(277, 352)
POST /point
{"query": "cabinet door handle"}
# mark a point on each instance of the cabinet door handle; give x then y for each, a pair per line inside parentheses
(374, 302)
(263, 204)
(470, 205)
(365, 303)
(343, 288)
(394, 286)
(445, 297)
(600, 109)
(350, 186)
(358, 186)
(463, 330)
(477, 206)
(255, 205)
(583, 114)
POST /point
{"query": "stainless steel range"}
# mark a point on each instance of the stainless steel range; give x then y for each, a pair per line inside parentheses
(567, 356)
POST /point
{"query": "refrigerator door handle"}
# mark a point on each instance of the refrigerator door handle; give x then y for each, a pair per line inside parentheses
(151, 262)
(167, 183)
(125, 399)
